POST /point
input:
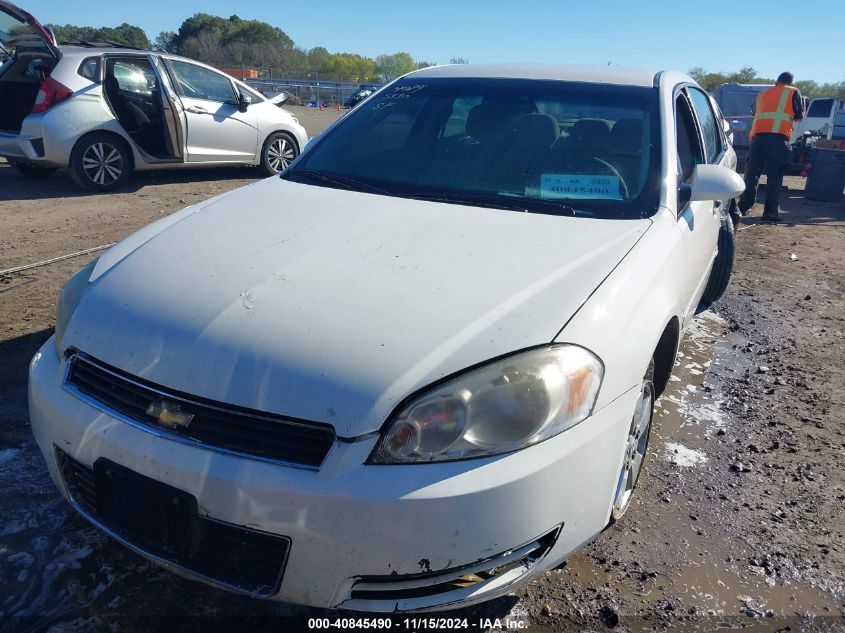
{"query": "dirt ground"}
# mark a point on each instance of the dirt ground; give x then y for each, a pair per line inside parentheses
(738, 521)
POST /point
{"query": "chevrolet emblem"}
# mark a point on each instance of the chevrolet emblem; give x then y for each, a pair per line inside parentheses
(169, 414)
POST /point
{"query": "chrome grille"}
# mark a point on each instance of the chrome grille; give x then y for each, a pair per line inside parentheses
(215, 425)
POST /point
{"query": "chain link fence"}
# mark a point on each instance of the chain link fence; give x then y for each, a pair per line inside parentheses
(305, 87)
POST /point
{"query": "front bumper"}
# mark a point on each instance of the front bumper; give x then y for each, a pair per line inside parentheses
(354, 525)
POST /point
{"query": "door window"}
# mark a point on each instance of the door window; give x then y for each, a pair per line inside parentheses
(689, 147)
(254, 97)
(196, 82)
(820, 108)
(131, 88)
(709, 126)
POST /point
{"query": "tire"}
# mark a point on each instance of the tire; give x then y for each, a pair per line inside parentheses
(636, 447)
(278, 151)
(723, 265)
(736, 215)
(32, 171)
(100, 162)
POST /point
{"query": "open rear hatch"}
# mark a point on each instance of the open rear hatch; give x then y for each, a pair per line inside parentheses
(19, 29)
(25, 84)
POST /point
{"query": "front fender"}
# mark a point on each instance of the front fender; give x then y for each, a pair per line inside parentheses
(623, 320)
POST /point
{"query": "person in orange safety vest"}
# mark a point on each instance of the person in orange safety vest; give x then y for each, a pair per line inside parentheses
(774, 112)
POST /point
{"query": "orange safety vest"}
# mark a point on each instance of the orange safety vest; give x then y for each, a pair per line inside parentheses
(774, 112)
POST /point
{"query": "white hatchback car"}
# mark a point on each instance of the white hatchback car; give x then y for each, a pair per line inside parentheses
(416, 369)
(104, 111)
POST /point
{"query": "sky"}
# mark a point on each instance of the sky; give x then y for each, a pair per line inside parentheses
(771, 36)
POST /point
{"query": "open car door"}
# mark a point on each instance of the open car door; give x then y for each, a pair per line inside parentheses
(172, 111)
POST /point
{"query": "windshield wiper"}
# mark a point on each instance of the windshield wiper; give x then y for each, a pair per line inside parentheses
(505, 203)
(342, 182)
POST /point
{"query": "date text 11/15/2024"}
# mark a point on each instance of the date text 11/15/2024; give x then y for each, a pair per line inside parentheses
(416, 624)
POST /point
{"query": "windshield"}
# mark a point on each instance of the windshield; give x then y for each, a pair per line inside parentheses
(530, 145)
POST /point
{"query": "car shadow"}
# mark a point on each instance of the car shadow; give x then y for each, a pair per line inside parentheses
(15, 355)
(15, 186)
(796, 210)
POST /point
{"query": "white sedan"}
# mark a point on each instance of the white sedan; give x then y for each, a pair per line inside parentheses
(417, 368)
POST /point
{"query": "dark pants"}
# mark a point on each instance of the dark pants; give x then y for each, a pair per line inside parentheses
(770, 152)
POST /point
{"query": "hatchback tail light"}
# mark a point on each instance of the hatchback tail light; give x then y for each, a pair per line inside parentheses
(50, 93)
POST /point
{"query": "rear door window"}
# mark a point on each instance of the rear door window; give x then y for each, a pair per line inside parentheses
(820, 108)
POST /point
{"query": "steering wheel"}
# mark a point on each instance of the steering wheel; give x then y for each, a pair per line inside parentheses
(616, 173)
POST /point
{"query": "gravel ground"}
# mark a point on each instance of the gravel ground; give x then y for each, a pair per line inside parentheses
(738, 521)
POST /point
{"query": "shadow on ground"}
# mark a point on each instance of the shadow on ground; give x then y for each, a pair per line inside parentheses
(795, 209)
(15, 355)
(16, 186)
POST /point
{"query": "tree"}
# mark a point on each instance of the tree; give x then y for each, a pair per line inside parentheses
(165, 42)
(232, 41)
(392, 66)
(746, 75)
(126, 34)
(209, 42)
(459, 60)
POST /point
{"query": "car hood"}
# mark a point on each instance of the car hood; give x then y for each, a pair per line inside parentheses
(332, 305)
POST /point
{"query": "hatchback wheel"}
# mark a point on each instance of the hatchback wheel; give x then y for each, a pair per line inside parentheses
(100, 162)
(636, 446)
(278, 152)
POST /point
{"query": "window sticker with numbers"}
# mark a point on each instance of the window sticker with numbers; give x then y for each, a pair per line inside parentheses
(580, 186)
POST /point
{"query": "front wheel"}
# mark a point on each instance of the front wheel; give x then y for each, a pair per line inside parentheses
(278, 152)
(636, 446)
(723, 265)
(100, 162)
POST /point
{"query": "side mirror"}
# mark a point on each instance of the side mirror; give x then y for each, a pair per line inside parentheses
(244, 102)
(714, 182)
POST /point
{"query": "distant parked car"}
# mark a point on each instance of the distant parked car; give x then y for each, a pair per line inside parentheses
(357, 98)
(419, 367)
(104, 111)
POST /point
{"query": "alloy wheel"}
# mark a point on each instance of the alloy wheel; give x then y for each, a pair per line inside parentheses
(635, 449)
(280, 153)
(102, 163)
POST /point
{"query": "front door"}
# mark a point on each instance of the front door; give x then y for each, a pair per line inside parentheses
(698, 221)
(216, 130)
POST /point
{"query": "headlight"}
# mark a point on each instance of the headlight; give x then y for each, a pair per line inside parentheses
(507, 405)
(69, 298)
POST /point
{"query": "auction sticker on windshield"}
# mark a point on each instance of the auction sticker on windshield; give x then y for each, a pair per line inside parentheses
(580, 186)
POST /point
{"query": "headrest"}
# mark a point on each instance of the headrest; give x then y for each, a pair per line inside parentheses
(590, 133)
(538, 129)
(111, 84)
(490, 119)
(627, 135)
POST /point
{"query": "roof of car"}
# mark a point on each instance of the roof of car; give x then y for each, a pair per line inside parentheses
(96, 50)
(86, 51)
(76, 49)
(562, 72)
